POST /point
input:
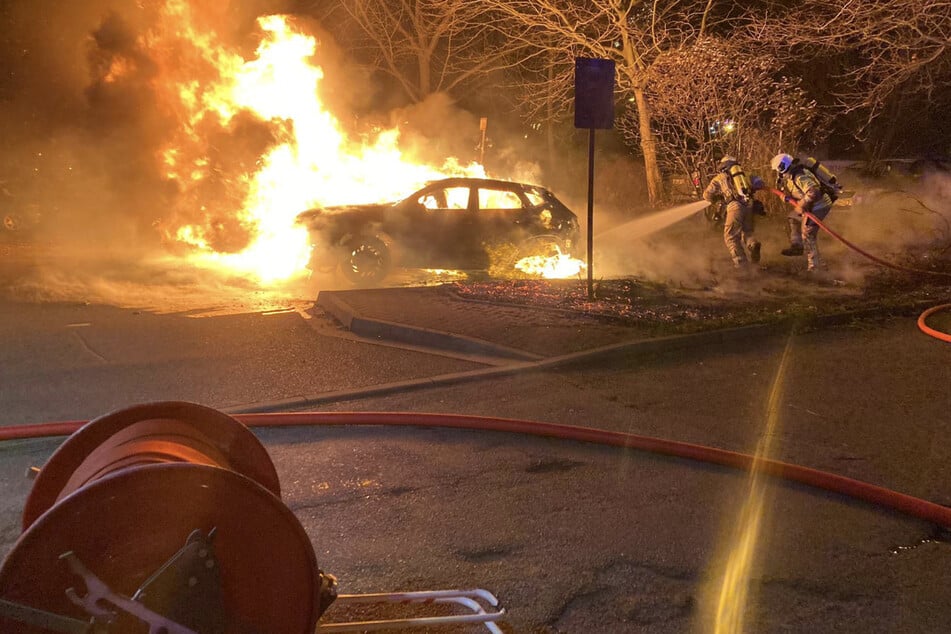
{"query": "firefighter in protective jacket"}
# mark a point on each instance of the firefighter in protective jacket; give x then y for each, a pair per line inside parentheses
(802, 189)
(733, 187)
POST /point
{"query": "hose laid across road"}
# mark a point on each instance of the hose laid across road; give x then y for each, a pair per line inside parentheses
(887, 498)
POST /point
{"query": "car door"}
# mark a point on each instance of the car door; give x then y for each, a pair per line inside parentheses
(442, 218)
(499, 217)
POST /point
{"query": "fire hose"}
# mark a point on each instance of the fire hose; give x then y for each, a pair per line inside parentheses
(104, 522)
(928, 330)
(873, 494)
(185, 469)
(922, 325)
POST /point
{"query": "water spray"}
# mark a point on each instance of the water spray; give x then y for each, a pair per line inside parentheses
(652, 223)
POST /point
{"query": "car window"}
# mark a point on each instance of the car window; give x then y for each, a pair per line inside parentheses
(498, 199)
(433, 200)
(534, 196)
(446, 198)
(544, 217)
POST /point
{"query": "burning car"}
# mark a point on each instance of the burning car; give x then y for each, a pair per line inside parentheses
(448, 224)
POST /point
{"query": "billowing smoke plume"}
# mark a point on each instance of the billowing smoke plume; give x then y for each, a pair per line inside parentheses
(85, 121)
(84, 124)
(119, 148)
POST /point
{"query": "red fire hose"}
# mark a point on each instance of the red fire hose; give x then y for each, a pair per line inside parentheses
(924, 316)
(928, 330)
(915, 507)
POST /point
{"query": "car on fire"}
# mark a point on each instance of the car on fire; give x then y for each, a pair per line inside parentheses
(448, 224)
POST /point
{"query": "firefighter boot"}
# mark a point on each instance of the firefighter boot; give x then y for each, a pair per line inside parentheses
(795, 237)
(754, 252)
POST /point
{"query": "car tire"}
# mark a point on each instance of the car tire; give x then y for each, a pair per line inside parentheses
(11, 222)
(545, 245)
(366, 260)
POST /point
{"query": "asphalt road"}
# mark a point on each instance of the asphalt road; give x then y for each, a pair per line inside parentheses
(573, 538)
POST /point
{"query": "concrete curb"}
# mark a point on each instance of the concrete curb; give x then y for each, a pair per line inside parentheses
(337, 307)
(613, 351)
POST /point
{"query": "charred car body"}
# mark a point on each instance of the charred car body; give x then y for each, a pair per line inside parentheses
(448, 224)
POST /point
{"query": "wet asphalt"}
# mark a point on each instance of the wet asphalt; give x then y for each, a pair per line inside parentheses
(572, 537)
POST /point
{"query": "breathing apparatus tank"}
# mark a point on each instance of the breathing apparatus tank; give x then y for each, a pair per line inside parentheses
(824, 175)
(740, 181)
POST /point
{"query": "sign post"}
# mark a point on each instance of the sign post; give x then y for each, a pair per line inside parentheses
(483, 124)
(594, 109)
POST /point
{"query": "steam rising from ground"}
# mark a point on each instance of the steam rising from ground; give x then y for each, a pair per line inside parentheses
(896, 219)
(39, 273)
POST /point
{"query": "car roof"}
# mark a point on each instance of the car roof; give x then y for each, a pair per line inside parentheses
(470, 181)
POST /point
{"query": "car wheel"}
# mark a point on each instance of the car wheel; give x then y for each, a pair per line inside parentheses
(545, 246)
(11, 222)
(365, 261)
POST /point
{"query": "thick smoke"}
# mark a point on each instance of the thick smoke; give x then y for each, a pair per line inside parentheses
(85, 121)
(901, 217)
(83, 125)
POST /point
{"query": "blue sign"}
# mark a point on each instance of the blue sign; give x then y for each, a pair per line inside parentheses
(594, 93)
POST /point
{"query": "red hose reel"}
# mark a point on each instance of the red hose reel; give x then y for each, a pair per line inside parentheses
(164, 517)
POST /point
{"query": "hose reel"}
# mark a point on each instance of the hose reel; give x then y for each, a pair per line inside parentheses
(166, 518)
(161, 518)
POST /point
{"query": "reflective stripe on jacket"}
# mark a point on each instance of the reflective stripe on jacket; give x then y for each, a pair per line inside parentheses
(805, 187)
(721, 187)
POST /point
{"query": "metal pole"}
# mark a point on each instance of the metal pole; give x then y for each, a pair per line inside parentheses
(483, 124)
(590, 213)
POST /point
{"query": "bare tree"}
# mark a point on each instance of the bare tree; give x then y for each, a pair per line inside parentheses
(426, 46)
(886, 47)
(633, 33)
(720, 97)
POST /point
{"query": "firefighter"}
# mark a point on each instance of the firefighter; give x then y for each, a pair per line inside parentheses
(803, 189)
(732, 187)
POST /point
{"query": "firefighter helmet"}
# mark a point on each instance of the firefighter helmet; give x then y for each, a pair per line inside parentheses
(725, 163)
(781, 163)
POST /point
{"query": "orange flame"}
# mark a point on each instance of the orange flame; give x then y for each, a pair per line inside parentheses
(312, 162)
(558, 265)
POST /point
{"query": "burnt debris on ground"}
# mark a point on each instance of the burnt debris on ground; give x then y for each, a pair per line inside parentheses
(756, 297)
